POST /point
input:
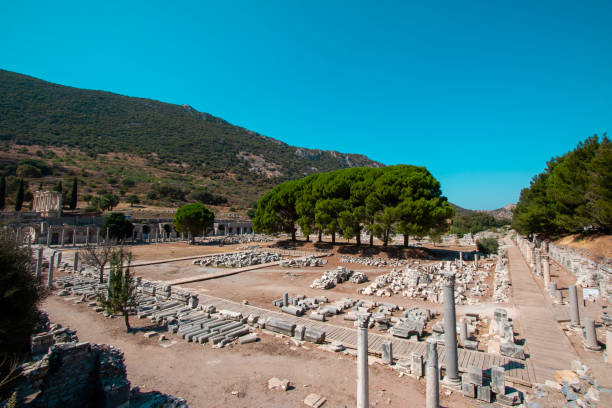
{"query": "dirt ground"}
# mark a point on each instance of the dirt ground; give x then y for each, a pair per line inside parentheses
(598, 245)
(206, 377)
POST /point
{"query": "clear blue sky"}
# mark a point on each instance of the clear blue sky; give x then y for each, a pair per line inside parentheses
(482, 94)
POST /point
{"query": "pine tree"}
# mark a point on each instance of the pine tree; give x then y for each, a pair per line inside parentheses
(19, 198)
(73, 195)
(2, 193)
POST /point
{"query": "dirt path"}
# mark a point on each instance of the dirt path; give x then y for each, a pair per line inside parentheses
(207, 377)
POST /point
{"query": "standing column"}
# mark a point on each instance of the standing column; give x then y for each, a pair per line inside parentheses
(39, 262)
(50, 275)
(98, 236)
(590, 341)
(463, 331)
(609, 344)
(62, 239)
(49, 236)
(59, 259)
(546, 271)
(87, 236)
(450, 333)
(574, 311)
(432, 377)
(285, 299)
(363, 396)
(107, 235)
(74, 237)
(476, 260)
(75, 264)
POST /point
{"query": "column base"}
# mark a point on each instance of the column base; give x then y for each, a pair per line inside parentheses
(591, 348)
(454, 383)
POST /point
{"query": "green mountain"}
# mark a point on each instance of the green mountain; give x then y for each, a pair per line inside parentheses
(166, 136)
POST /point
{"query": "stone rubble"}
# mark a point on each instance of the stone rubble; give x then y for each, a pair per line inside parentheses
(425, 281)
(239, 260)
(377, 262)
(303, 262)
(331, 278)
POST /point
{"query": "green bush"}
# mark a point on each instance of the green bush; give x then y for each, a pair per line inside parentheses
(487, 245)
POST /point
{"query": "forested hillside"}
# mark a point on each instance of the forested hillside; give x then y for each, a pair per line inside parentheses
(573, 194)
(172, 138)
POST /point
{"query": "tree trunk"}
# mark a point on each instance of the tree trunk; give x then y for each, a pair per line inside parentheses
(371, 239)
(102, 274)
(405, 241)
(358, 236)
(127, 320)
(308, 238)
(192, 239)
(293, 234)
(333, 237)
(320, 237)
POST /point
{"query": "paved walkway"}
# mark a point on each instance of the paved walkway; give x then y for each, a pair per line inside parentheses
(548, 347)
(517, 372)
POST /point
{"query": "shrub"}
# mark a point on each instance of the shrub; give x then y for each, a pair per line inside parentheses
(487, 245)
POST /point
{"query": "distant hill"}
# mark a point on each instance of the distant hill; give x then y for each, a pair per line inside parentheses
(170, 138)
(504, 213)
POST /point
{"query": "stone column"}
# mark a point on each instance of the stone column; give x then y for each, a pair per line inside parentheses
(98, 236)
(87, 236)
(39, 262)
(609, 344)
(432, 377)
(476, 260)
(107, 235)
(62, 238)
(75, 264)
(48, 235)
(450, 333)
(74, 237)
(363, 396)
(546, 271)
(50, 275)
(463, 331)
(285, 299)
(590, 341)
(59, 259)
(574, 310)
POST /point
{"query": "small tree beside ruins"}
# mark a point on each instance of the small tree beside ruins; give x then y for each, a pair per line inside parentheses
(119, 227)
(97, 257)
(194, 219)
(121, 292)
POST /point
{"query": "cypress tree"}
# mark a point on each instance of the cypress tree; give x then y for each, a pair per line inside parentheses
(2, 193)
(40, 186)
(19, 198)
(58, 187)
(73, 195)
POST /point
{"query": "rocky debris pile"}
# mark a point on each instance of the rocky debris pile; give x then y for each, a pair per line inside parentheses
(80, 285)
(576, 387)
(377, 262)
(303, 262)
(239, 260)
(331, 278)
(412, 323)
(501, 280)
(237, 239)
(424, 282)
